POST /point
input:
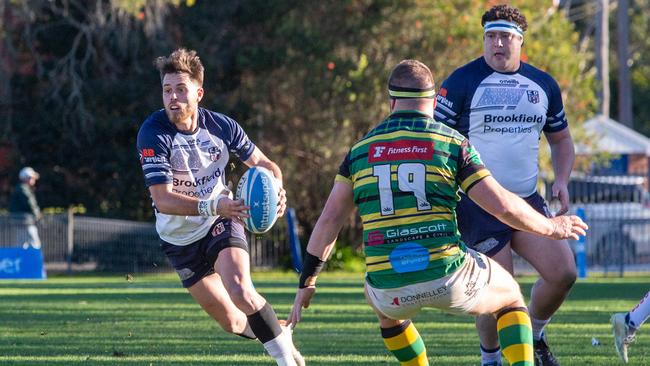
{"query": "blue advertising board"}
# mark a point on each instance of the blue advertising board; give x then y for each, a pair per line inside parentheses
(19, 263)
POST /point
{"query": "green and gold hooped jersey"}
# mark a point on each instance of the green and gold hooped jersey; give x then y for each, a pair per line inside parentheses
(405, 175)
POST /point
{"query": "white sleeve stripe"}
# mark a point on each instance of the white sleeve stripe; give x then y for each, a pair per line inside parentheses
(156, 174)
(151, 166)
(447, 110)
(442, 118)
(561, 113)
(556, 124)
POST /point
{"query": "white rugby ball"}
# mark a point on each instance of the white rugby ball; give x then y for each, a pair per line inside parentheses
(259, 190)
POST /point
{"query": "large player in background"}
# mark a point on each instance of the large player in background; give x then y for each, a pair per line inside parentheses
(403, 176)
(184, 150)
(503, 105)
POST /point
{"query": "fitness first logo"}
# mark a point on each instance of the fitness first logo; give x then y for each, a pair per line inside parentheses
(400, 150)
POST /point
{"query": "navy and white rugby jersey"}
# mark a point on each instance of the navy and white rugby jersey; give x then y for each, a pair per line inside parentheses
(503, 115)
(193, 163)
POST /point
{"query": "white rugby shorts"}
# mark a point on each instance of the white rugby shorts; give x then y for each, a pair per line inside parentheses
(458, 292)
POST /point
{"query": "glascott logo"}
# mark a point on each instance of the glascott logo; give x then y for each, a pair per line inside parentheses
(400, 150)
(391, 233)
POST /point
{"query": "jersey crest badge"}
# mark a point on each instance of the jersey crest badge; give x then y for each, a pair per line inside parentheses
(215, 153)
(533, 96)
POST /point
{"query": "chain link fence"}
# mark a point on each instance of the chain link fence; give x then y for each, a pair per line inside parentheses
(72, 243)
(617, 210)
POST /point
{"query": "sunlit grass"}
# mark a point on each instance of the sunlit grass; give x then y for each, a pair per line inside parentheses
(151, 320)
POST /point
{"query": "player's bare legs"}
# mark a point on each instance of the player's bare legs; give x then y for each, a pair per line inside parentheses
(553, 260)
(233, 264)
(213, 298)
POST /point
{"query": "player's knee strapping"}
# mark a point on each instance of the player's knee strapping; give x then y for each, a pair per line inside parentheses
(405, 343)
(515, 336)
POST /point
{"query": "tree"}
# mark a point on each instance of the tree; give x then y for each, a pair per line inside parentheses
(306, 79)
(311, 87)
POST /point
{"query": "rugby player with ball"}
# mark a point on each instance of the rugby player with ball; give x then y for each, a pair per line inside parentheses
(183, 151)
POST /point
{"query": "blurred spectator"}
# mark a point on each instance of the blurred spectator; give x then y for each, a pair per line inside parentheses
(24, 208)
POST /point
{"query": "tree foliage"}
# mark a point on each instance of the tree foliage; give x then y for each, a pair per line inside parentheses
(639, 63)
(305, 79)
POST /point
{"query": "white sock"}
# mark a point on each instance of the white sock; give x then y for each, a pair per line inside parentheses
(280, 349)
(640, 313)
(490, 355)
(538, 327)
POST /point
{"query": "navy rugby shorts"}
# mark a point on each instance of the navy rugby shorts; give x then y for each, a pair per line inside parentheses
(485, 233)
(194, 261)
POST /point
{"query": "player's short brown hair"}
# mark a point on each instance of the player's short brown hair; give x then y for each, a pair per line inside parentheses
(411, 74)
(181, 61)
(505, 12)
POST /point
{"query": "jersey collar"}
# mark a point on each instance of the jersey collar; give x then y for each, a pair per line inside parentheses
(409, 113)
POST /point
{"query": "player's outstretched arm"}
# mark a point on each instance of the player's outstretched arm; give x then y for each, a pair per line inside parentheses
(337, 209)
(258, 158)
(562, 157)
(515, 212)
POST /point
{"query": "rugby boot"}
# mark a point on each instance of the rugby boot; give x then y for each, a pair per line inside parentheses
(543, 354)
(623, 335)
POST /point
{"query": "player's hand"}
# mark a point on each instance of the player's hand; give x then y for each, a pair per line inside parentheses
(235, 210)
(303, 298)
(568, 227)
(560, 191)
(282, 202)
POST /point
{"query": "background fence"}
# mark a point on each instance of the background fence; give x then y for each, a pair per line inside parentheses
(78, 243)
(616, 208)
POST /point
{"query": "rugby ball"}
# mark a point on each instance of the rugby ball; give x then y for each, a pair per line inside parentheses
(259, 190)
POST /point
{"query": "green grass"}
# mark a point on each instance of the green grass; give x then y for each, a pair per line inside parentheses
(153, 321)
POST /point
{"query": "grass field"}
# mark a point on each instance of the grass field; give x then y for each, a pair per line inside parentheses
(151, 320)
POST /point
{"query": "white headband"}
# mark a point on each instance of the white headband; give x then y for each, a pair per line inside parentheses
(503, 26)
